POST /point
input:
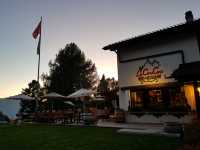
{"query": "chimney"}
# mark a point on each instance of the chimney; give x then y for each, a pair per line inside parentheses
(189, 16)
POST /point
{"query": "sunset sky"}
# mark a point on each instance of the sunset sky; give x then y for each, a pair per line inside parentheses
(91, 24)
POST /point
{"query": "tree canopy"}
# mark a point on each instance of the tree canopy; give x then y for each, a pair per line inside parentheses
(70, 71)
(33, 90)
(108, 87)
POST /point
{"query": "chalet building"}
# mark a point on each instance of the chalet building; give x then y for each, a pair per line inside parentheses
(158, 73)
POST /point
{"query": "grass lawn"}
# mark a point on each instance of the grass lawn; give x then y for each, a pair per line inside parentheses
(46, 137)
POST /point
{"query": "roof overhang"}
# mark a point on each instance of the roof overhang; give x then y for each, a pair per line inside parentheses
(187, 72)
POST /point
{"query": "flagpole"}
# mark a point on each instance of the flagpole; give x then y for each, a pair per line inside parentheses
(38, 75)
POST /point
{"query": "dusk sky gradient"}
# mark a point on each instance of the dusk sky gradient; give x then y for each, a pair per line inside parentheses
(91, 24)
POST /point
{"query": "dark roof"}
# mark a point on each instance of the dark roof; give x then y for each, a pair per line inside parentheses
(187, 72)
(193, 26)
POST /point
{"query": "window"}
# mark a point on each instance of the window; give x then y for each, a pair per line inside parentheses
(136, 99)
(155, 96)
(158, 100)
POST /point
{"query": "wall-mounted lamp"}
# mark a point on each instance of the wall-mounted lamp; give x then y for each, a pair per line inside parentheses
(198, 89)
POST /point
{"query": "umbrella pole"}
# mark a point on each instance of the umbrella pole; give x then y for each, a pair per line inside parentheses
(83, 107)
(83, 111)
(51, 106)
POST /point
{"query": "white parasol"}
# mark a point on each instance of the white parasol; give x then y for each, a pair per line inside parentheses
(81, 93)
(53, 96)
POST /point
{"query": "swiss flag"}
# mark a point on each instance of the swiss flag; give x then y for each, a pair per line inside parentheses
(37, 31)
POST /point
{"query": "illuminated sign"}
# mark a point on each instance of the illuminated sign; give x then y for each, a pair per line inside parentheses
(149, 72)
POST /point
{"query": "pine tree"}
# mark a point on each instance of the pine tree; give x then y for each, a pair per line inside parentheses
(70, 71)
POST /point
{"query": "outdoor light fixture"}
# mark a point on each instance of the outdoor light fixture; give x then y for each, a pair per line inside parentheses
(92, 95)
(198, 89)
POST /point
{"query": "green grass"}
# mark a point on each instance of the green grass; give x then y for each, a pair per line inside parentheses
(46, 137)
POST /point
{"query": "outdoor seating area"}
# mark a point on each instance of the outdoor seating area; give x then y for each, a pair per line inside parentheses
(77, 117)
(80, 107)
(53, 117)
(63, 117)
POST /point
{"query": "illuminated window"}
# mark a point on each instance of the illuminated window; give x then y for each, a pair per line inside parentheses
(161, 99)
(136, 99)
(155, 96)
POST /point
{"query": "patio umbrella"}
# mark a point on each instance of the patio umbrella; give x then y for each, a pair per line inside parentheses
(21, 97)
(53, 96)
(81, 93)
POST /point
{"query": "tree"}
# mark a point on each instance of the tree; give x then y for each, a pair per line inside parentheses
(113, 89)
(70, 71)
(33, 90)
(103, 85)
(109, 88)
